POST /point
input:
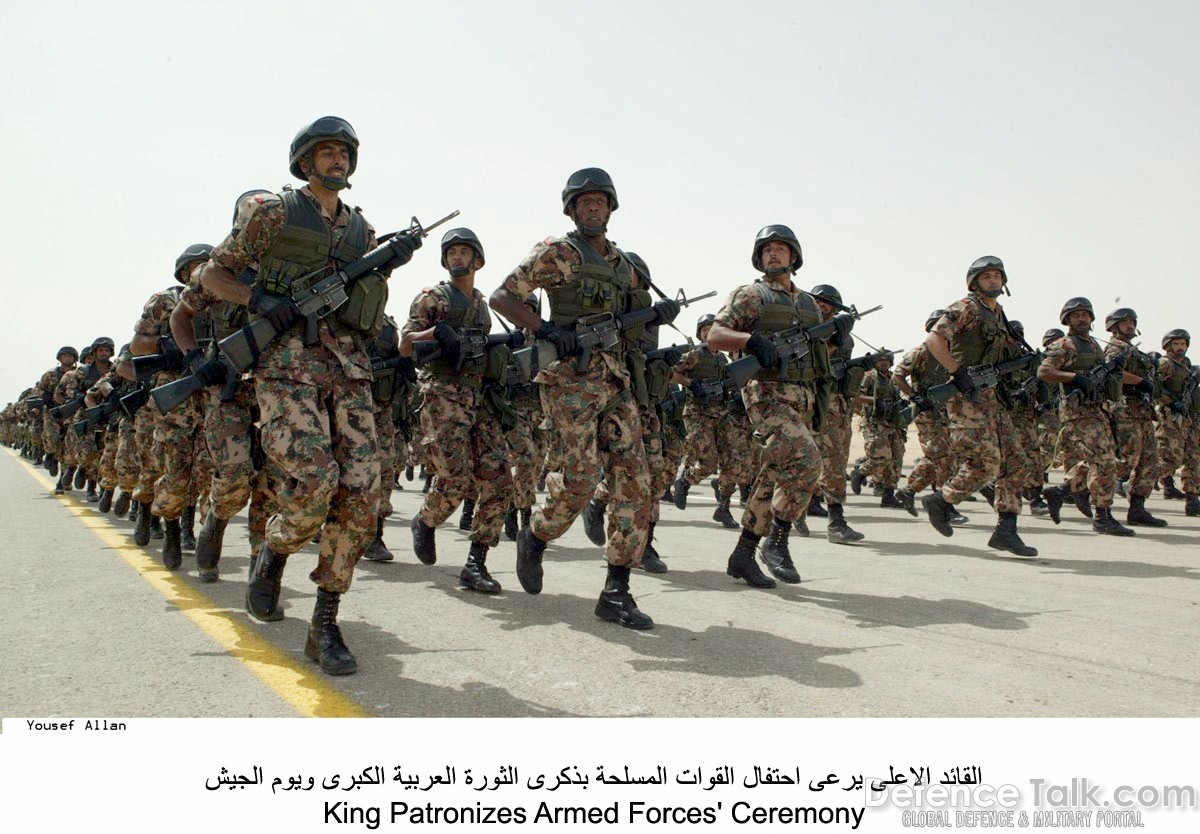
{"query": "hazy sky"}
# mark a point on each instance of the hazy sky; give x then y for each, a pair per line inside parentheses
(899, 140)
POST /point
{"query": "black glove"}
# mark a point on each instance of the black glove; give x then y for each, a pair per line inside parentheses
(962, 380)
(407, 369)
(764, 350)
(667, 310)
(1086, 384)
(403, 245)
(171, 354)
(673, 357)
(565, 340)
(208, 371)
(922, 403)
(1146, 385)
(516, 340)
(843, 323)
(448, 338)
(280, 310)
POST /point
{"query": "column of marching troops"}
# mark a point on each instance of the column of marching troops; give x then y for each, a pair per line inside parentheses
(340, 401)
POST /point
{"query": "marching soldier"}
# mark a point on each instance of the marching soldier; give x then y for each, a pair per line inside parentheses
(1178, 430)
(67, 357)
(883, 430)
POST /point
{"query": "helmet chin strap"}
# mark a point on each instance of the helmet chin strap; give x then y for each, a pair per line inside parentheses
(995, 293)
(772, 271)
(591, 231)
(334, 183)
(459, 271)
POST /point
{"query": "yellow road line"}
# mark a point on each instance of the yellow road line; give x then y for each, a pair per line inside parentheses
(304, 690)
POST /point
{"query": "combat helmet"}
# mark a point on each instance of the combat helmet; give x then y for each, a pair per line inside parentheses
(195, 252)
(983, 265)
(533, 303)
(67, 349)
(1051, 335)
(1177, 333)
(707, 318)
(639, 266)
(1117, 316)
(1073, 304)
(464, 236)
(933, 319)
(827, 293)
(585, 180)
(1016, 329)
(86, 353)
(771, 233)
(324, 129)
(104, 341)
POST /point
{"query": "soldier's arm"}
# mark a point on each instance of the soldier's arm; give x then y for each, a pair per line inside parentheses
(539, 269)
(181, 327)
(939, 349)
(243, 247)
(1057, 356)
(422, 319)
(735, 322)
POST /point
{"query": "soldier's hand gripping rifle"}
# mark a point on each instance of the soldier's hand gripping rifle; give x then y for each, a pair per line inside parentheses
(67, 410)
(380, 366)
(472, 345)
(1181, 406)
(323, 297)
(598, 332)
(174, 394)
(1090, 386)
(95, 415)
(980, 377)
(672, 354)
(793, 345)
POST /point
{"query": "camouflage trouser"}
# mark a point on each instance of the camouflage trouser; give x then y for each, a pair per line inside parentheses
(790, 468)
(885, 453)
(51, 434)
(128, 462)
(660, 476)
(707, 451)
(1138, 462)
(1087, 439)
(179, 433)
(150, 464)
(1024, 422)
(834, 440)
(937, 455)
(1179, 446)
(108, 459)
(465, 444)
(320, 442)
(87, 451)
(673, 448)
(526, 451)
(737, 434)
(596, 428)
(986, 453)
(228, 433)
(1049, 425)
(385, 437)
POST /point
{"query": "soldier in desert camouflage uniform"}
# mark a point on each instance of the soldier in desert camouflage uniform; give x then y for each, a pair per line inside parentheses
(1086, 433)
(781, 402)
(883, 429)
(318, 426)
(526, 442)
(974, 331)
(1178, 432)
(67, 356)
(594, 417)
(115, 384)
(462, 414)
(83, 452)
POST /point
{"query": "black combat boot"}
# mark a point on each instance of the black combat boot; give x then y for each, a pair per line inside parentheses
(542, 481)
(651, 561)
(510, 524)
(667, 497)
(172, 551)
(187, 527)
(92, 496)
(723, 515)
(427, 484)
(838, 531)
(408, 472)
(81, 477)
(325, 644)
(1081, 500)
(816, 509)
(468, 514)
(681, 493)
(208, 546)
(743, 494)
(377, 551)
(907, 499)
(1037, 505)
(134, 511)
(1192, 507)
(856, 480)
(744, 565)
(938, 509)
(1121, 488)
(716, 486)
(529, 561)
(1005, 537)
(1106, 525)
(1169, 490)
(51, 465)
(265, 585)
(616, 604)
(61, 486)
(156, 530)
(800, 526)
(1139, 516)
(776, 554)
(526, 515)
(475, 576)
(106, 500)
(593, 522)
(423, 541)
(988, 491)
(889, 500)
(141, 531)
(1055, 497)
(955, 518)
(121, 504)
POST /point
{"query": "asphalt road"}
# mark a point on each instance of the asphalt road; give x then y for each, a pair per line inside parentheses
(904, 624)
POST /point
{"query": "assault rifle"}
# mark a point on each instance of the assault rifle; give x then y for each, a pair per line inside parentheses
(319, 300)
(709, 390)
(672, 354)
(669, 407)
(67, 410)
(841, 366)
(93, 416)
(1099, 374)
(173, 394)
(598, 332)
(130, 403)
(380, 366)
(794, 344)
(145, 367)
(472, 345)
(1181, 406)
(983, 377)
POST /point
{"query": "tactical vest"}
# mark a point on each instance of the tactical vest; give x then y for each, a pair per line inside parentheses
(596, 287)
(931, 373)
(164, 326)
(711, 366)
(658, 380)
(465, 316)
(1178, 377)
(982, 345)
(882, 387)
(779, 312)
(90, 377)
(1087, 354)
(1136, 363)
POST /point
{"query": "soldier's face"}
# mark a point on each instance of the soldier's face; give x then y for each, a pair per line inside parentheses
(777, 255)
(331, 159)
(1080, 321)
(591, 209)
(990, 281)
(824, 306)
(66, 360)
(461, 255)
(1177, 347)
(1127, 328)
(704, 331)
(102, 354)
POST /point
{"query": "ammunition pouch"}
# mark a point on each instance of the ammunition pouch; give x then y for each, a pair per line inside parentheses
(365, 306)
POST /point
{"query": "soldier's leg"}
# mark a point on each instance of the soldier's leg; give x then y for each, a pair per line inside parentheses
(446, 442)
(526, 458)
(492, 476)
(574, 459)
(728, 463)
(978, 453)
